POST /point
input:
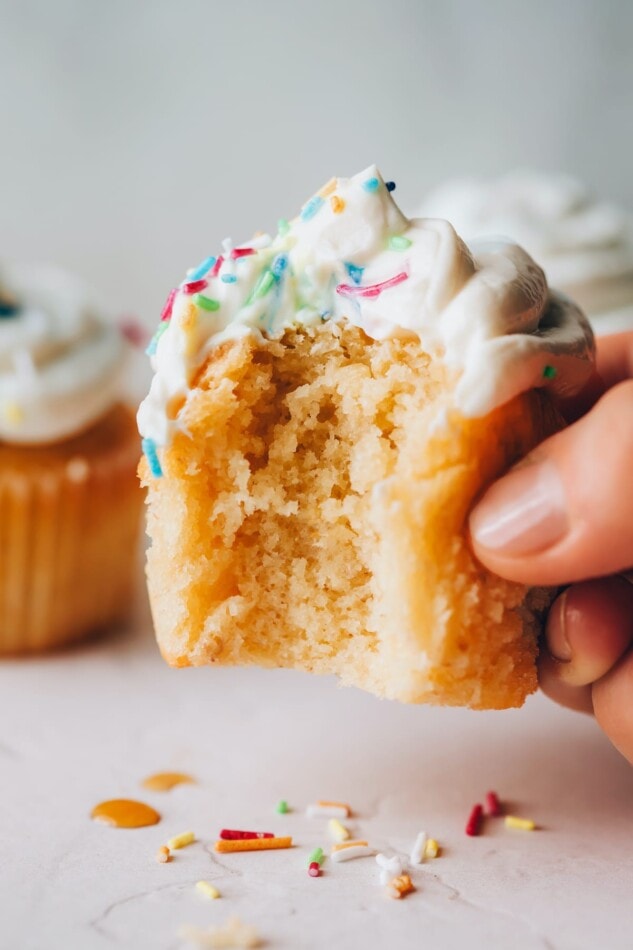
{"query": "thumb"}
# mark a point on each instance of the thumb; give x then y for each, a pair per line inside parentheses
(566, 512)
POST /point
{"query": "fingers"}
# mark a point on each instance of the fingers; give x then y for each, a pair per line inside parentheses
(613, 706)
(589, 629)
(615, 358)
(566, 512)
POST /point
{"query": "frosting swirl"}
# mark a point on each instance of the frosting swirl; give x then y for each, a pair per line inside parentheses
(584, 245)
(59, 361)
(352, 255)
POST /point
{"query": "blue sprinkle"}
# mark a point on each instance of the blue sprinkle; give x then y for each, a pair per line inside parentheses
(149, 450)
(202, 269)
(279, 265)
(228, 278)
(310, 209)
(371, 184)
(355, 272)
(153, 343)
(390, 185)
(8, 309)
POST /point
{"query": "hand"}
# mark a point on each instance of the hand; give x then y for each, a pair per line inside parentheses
(564, 515)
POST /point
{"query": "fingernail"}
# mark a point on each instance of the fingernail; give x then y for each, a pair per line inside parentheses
(522, 513)
(556, 631)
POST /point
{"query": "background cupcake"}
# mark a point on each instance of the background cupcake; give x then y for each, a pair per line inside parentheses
(584, 245)
(69, 501)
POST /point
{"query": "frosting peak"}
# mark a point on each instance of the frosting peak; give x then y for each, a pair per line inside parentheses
(352, 255)
(59, 361)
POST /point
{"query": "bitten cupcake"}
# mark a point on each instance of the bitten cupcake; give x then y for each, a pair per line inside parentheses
(326, 406)
(69, 500)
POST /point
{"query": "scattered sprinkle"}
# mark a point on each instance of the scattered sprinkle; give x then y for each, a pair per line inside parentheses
(371, 184)
(338, 831)
(352, 843)
(202, 269)
(390, 185)
(194, 286)
(317, 855)
(151, 454)
(418, 849)
(328, 810)
(181, 841)
(169, 305)
(312, 207)
(522, 824)
(228, 278)
(389, 867)
(493, 805)
(206, 303)
(153, 343)
(231, 934)
(371, 290)
(398, 242)
(283, 226)
(400, 886)
(432, 849)
(549, 372)
(252, 844)
(314, 869)
(337, 204)
(206, 888)
(229, 834)
(282, 807)
(163, 855)
(348, 854)
(473, 825)
(355, 272)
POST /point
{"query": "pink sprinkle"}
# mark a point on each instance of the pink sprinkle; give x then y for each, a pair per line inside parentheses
(169, 305)
(493, 805)
(242, 252)
(315, 869)
(228, 834)
(194, 286)
(217, 266)
(473, 825)
(372, 290)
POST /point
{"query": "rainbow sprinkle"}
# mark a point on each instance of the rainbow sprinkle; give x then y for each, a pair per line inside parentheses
(194, 286)
(263, 285)
(278, 266)
(283, 227)
(169, 305)
(202, 269)
(372, 290)
(153, 343)
(311, 208)
(228, 278)
(8, 310)
(398, 242)
(549, 372)
(355, 272)
(371, 184)
(150, 453)
(207, 303)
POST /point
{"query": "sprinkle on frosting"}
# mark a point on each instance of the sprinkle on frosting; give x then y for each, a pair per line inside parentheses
(485, 310)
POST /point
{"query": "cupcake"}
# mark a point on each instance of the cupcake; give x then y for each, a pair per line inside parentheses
(326, 406)
(584, 245)
(69, 501)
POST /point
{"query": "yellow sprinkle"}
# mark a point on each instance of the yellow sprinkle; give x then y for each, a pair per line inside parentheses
(207, 889)
(181, 841)
(523, 824)
(337, 204)
(327, 189)
(349, 844)
(13, 414)
(338, 831)
(432, 848)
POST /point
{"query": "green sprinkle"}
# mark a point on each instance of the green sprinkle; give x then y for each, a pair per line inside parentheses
(549, 372)
(207, 303)
(263, 285)
(317, 855)
(399, 243)
(282, 808)
(283, 227)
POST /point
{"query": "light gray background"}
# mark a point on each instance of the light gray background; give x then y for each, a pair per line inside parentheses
(136, 134)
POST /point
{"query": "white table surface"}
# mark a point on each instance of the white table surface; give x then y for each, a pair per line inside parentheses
(91, 723)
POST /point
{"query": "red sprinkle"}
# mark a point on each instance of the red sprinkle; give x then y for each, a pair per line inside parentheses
(315, 869)
(217, 266)
(242, 252)
(229, 834)
(473, 825)
(371, 290)
(169, 305)
(195, 286)
(494, 807)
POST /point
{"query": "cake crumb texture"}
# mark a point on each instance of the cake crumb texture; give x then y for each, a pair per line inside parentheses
(312, 515)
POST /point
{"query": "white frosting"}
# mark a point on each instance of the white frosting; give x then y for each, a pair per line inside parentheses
(60, 363)
(585, 246)
(352, 255)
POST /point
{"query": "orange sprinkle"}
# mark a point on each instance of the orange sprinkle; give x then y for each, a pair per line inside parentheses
(349, 844)
(336, 805)
(224, 846)
(337, 204)
(327, 189)
(400, 886)
(164, 781)
(125, 813)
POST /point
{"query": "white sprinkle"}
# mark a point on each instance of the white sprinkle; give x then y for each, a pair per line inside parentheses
(417, 851)
(355, 851)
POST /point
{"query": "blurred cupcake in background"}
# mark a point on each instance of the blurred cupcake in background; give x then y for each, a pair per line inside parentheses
(70, 503)
(584, 245)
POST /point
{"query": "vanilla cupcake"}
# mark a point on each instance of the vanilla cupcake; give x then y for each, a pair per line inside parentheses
(584, 245)
(69, 502)
(326, 406)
